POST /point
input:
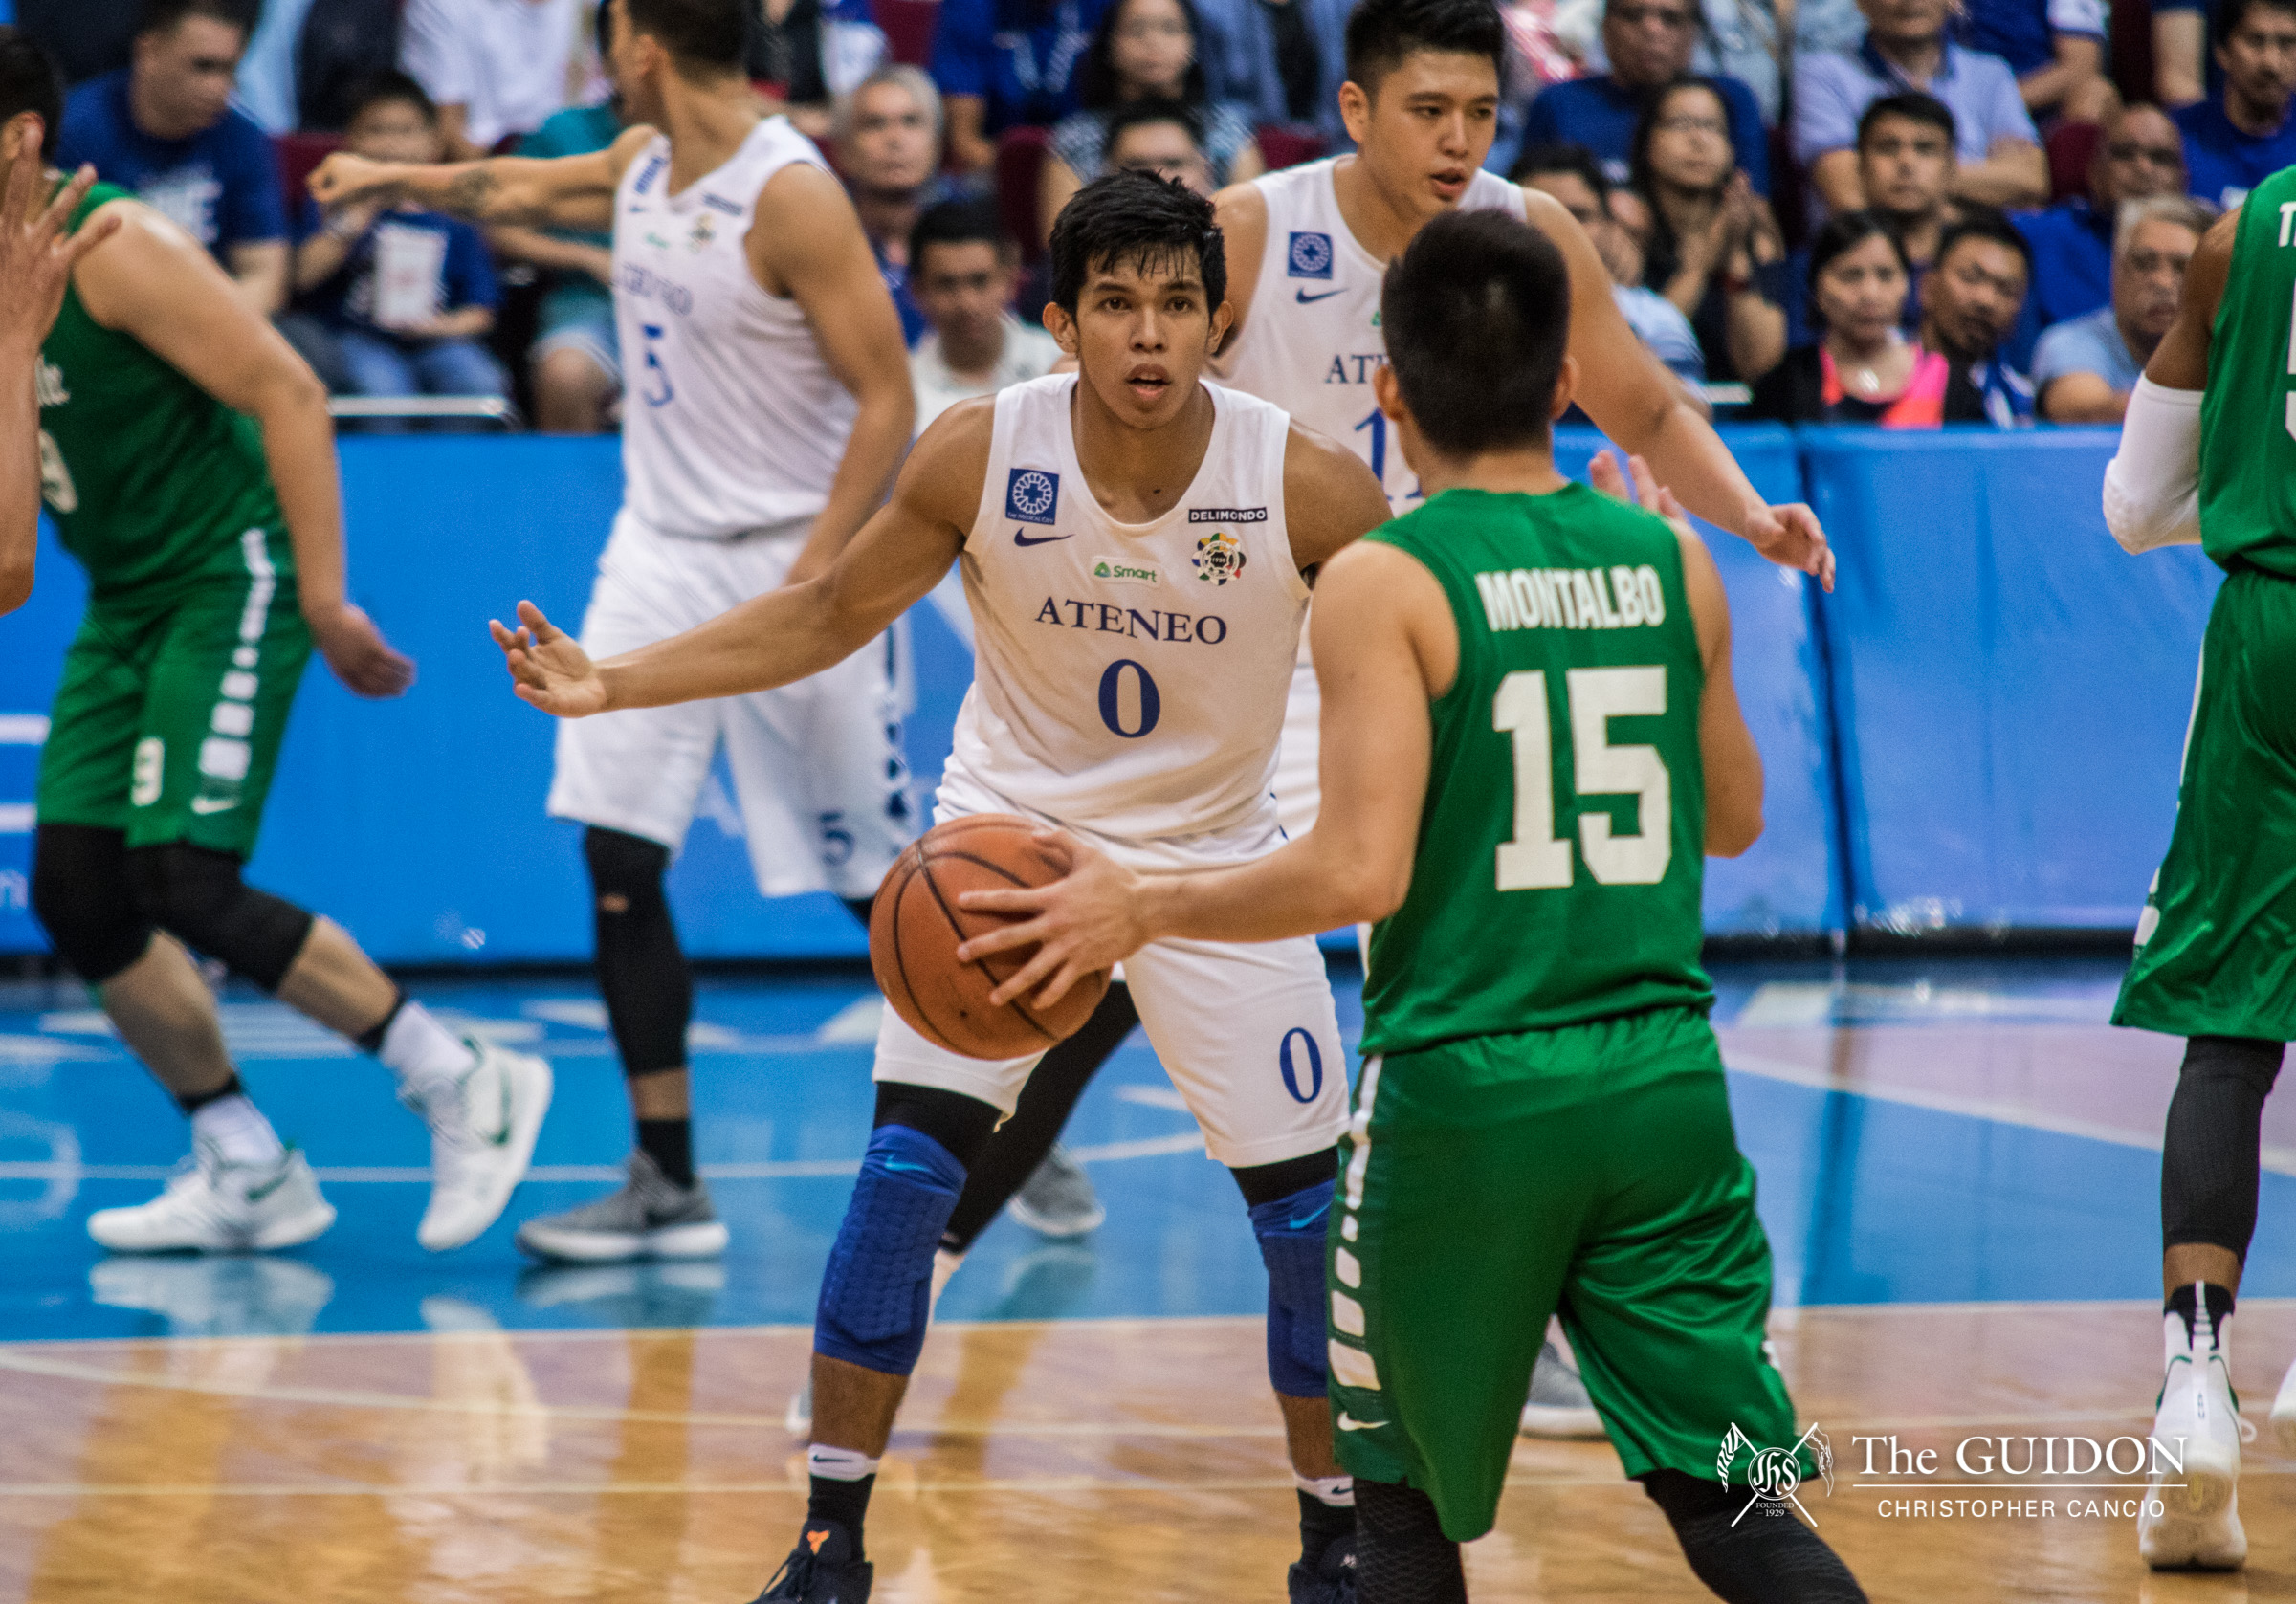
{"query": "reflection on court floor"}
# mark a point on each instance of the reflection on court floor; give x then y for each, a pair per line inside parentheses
(1959, 1176)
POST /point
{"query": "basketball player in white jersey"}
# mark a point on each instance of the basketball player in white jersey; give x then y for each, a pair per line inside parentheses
(768, 405)
(1135, 546)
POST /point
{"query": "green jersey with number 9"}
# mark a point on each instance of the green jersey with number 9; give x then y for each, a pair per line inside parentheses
(2248, 411)
(1562, 847)
(153, 483)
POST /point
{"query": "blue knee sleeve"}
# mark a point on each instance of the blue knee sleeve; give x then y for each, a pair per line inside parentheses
(876, 1296)
(1292, 1231)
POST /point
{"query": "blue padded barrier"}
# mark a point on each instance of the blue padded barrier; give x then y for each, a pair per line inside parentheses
(2010, 687)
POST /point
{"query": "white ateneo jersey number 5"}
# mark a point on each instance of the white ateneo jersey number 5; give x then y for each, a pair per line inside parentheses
(1536, 860)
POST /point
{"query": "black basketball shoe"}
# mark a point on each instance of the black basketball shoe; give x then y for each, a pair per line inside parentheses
(821, 1569)
(1332, 1581)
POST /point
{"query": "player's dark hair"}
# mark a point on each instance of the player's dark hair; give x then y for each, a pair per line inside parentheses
(29, 82)
(1911, 106)
(974, 222)
(1561, 157)
(1477, 313)
(1983, 221)
(1133, 113)
(2235, 12)
(1098, 86)
(1646, 129)
(1131, 217)
(1844, 231)
(712, 34)
(161, 16)
(391, 88)
(1381, 33)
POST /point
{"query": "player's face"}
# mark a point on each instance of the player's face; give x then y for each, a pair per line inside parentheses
(184, 76)
(1861, 293)
(1424, 133)
(2148, 280)
(1908, 166)
(890, 144)
(1142, 334)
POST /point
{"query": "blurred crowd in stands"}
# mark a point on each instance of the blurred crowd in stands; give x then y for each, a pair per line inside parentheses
(1897, 211)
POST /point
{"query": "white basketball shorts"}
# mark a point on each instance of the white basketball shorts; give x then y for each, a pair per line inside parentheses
(819, 779)
(1246, 1030)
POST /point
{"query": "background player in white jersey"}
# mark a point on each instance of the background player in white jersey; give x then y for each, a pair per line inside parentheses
(1134, 544)
(770, 404)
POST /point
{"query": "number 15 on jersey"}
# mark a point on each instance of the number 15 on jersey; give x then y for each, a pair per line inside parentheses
(1536, 859)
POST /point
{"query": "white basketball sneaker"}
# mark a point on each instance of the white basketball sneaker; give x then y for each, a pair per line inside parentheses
(2200, 1525)
(213, 1207)
(2284, 1416)
(482, 1132)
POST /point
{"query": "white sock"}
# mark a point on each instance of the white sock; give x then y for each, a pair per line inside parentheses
(839, 1464)
(236, 1128)
(423, 1054)
(1336, 1491)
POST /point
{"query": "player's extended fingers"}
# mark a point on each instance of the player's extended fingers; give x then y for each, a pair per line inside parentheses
(1032, 975)
(1603, 475)
(1014, 899)
(1059, 846)
(18, 199)
(1646, 487)
(90, 237)
(532, 615)
(1068, 976)
(1005, 938)
(503, 638)
(57, 216)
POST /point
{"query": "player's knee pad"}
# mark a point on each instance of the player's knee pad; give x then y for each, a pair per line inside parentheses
(82, 897)
(195, 894)
(641, 973)
(1291, 1235)
(876, 1296)
(2210, 1161)
(1747, 1560)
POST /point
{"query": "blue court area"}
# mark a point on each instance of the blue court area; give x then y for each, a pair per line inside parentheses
(1888, 1196)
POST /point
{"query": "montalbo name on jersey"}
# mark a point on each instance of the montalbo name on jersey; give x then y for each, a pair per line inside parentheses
(1619, 597)
(1155, 624)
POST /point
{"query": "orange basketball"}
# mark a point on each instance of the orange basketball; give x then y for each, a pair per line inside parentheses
(916, 926)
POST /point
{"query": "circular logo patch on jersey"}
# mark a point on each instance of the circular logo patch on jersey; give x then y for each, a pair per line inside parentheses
(1219, 557)
(1031, 493)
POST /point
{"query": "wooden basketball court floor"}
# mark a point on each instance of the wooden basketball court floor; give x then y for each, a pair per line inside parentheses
(1960, 1171)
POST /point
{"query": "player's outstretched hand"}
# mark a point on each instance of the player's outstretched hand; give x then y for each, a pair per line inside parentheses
(36, 255)
(343, 178)
(549, 668)
(1789, 535)
(358, 654)
(1084, 922)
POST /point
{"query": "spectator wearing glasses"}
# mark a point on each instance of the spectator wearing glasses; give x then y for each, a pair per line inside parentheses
(2086, 367)
(888, 141)
(1862, 368)
(164, 127)
(1649, 44)
(1713, 249)
(493, 68)
(2235, 141)
(1574, 177)
(1998, 155)
(2141, 155)
(2055, 47)
(1970, 301)
(964, 271)
(1145, 51)
(1006, 63)
(1283, 59)
(1906, 166)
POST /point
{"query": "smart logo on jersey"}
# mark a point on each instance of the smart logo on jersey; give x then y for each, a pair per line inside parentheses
(1311, 255)
(1032, 496)
(1114, 570)
(1219, 557)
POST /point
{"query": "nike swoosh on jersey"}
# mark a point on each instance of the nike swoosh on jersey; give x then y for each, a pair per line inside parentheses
(1021, 540)
(1348, 1424)
(212, 805)
(1306, 299)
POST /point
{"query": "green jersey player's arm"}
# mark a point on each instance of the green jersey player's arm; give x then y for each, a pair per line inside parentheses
(2153, 484)
(798, 629)
(542, 193)
(159, 286)
(1330, 498)
(1385, 646)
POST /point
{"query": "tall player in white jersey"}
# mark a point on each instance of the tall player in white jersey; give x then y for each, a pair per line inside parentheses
(1134, 545)
(769, 403)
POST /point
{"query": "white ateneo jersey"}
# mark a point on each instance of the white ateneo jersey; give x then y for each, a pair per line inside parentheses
(1129, 678)
(731, 418)
(1311, 339)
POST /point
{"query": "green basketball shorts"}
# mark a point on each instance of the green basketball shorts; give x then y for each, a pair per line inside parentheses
(2216, 948)
(168, 720)
(1487, 1183)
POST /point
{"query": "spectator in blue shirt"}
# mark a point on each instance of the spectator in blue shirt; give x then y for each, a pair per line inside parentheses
(2055, 47)
(1284, 59)
(2141, 155)
(1004, 64)
(2236, 141)
(888, 138)
(2086, 367)
(1970, 300)
(165, 128)
(409, 293)
(1649, 44)
(1999, 158)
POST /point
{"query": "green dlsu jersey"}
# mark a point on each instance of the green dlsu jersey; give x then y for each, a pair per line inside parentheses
(153, 483)
(1561, 848)
(2248, 411)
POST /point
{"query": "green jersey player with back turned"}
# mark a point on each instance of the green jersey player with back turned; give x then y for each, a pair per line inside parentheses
(1528, 743)
(187, 456)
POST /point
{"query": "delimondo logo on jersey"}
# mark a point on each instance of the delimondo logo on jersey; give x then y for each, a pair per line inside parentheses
(1114, 570)
(1032, 496)
(1227, 515)
(1311, 255)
